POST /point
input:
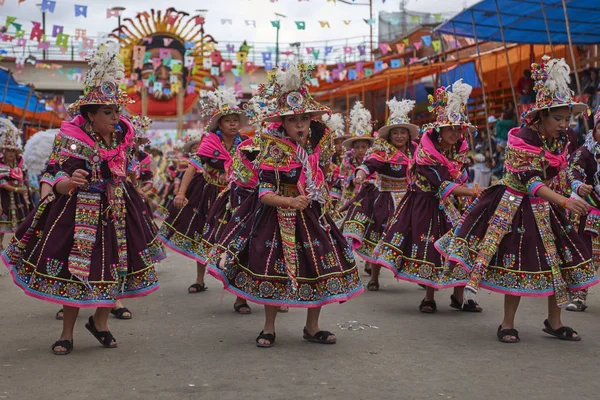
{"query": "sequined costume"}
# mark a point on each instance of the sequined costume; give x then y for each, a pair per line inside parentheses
(15, 206)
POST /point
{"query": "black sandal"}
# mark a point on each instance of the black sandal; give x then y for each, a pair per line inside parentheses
(564, 333)
(470, 306)
(503, 333)
(321, 337)
(373, 286)
(59, 316)
(270, 337)
(428, 304)
(67, 344)
(106, 339)
(119, 313)
(239, 307)
(198, 287)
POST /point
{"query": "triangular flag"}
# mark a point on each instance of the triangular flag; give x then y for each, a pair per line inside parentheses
(417, 45)
(437, 44)
(301, 25)
(347, 21)
(324, 24)
(426, 40)
(384, 47)
(275, 24)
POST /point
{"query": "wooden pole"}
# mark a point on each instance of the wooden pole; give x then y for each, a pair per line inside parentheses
(144, 95)
(387, 97)
(485, 105)
(8, 75)
(456, 42)
(51, 123)
(25, 108)
(587, 128)
(510, 76)
(180, 97)
(547, 28)
(406, 81)
(445, 61)
(363, 92)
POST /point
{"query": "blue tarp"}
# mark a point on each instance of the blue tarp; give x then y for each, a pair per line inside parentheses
(465, 71)
(523, 21)
(17, 94)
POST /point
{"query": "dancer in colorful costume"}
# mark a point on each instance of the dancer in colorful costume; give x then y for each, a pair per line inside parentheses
(334, 178)
(14, 193)
(584, 177)
(204, 179)
(515, 239)
(428, 211)
(389, 160)
(282, 248)
(82, 247)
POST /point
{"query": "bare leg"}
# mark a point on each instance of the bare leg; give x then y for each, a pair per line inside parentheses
(511, 304)
(270, 315)
(375, 271)
(200, 271)
(69, 319)
(429, 296)
(244, 309)
(554, 314)
(101, 321)
(312, 322)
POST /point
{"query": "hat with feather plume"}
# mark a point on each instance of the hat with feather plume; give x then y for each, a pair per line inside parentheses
(398, 118)
(221, 102)
(361, 126)
(450, 107)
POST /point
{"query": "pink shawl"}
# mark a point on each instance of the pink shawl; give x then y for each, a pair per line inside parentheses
(211, 146)
(558, 161)
(431, 156)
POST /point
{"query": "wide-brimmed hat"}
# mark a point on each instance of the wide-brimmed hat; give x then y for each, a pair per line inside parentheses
(337, 126)
(101, 84)
(222, 102)
(552, 79)
(450, 107)
(192, 138)
(286, 93)
(361, 127)
(10, 136)
(141, 126)
(399, 118)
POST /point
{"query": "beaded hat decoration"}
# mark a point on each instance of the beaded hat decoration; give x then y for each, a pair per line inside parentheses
(289, 90)
(361, 127)
(141, 126)
(257, 109)
(450, 107)
(10, 136)
(192, 138)
(336, 124)
(101, 84)
(221, 102)
(398, 118)
(552, 87)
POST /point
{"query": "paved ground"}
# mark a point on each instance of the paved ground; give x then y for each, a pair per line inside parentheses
(182, 346)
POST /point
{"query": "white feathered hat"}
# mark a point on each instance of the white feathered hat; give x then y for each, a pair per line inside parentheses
(101, 84)
(450, 107)
(10, 136)
(361, 127)
(38, 149)
(399, 118)
(221, 102)
(552, 78)
(335, 123)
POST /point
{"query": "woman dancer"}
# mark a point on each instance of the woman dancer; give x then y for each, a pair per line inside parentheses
(389, 160)
(428, 210)
(14, 194)
(82, 247)
(515, 239)
(334, 178)
(282, 248)
(183, 228)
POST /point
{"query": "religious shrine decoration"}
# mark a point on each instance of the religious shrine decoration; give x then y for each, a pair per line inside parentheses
(166, 53)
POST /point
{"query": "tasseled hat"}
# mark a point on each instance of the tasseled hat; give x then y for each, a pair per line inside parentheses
(38, 149)
(552, 87)
(336, 124)
(286, 93)
(399, 118)
(361, 127)
(450, 107)
(10, 136)
(141, 126)
(101, 84)
(221, 102)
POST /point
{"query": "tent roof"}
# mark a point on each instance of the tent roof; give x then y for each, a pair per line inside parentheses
(523, 21)
(17, 93)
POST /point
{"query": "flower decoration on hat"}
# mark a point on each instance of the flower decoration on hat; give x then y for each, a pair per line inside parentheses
(286, 92)
(337, 125)
(101, 84)
(221, 102)
(361, 126)
(141, 126)
(399, 110)
(10, 136)
(552, 79)
(450, 107)
(192, 138)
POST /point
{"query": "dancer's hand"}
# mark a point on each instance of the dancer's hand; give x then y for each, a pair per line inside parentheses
(78, 178)
(584, 190)
(577, 206)
(180, 200)
(298, 203)
(360, 178)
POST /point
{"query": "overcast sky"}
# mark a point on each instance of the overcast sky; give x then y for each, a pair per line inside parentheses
(311, 11)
